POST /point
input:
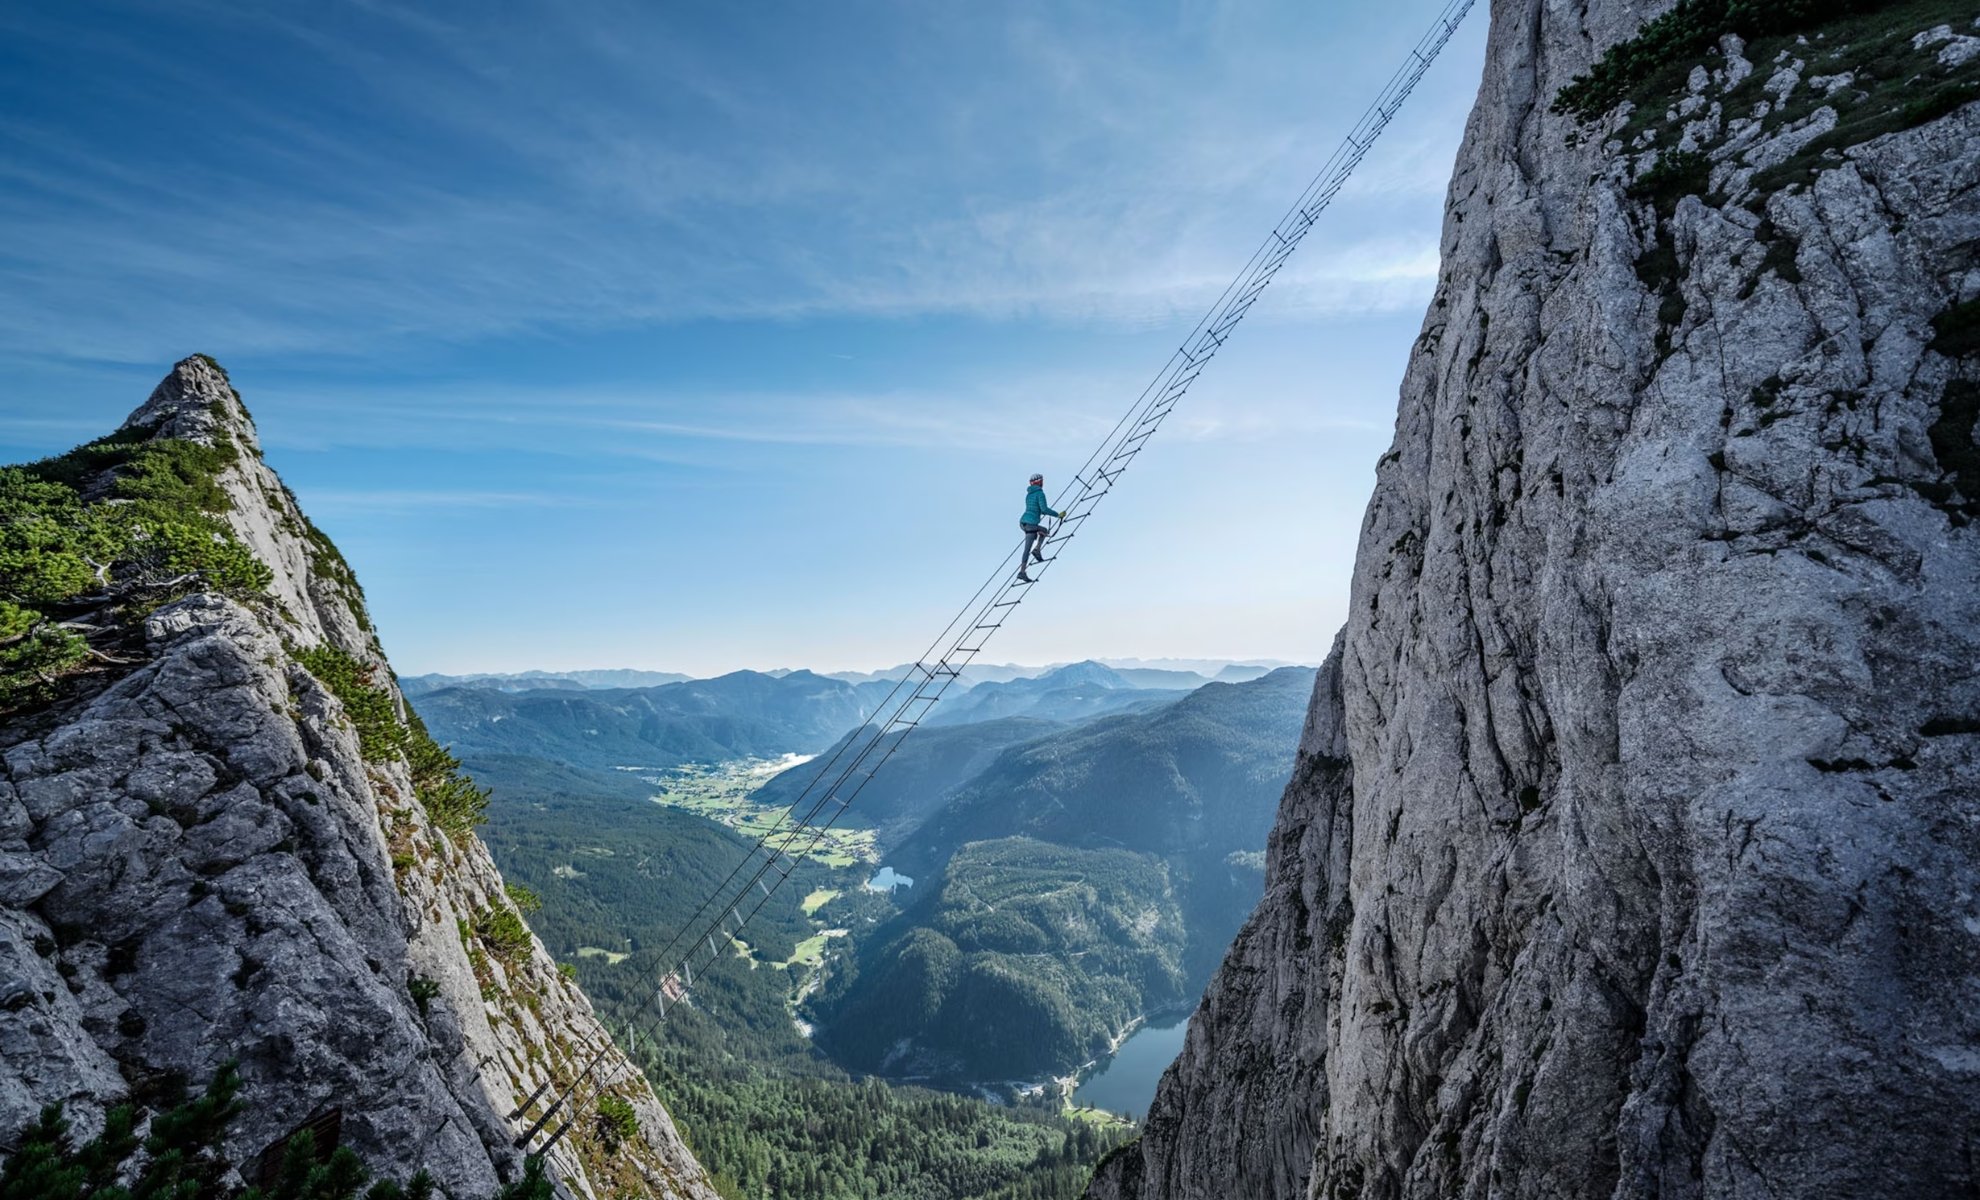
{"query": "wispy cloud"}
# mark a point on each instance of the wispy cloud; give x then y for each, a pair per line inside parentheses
(602, 165)
(1012, 410)
(685, 306)
(392, 500)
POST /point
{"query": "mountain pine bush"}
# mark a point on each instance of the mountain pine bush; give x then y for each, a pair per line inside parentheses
(108, 531)
(180, 1158)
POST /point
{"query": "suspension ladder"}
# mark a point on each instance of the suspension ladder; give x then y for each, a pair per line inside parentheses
(838, 780)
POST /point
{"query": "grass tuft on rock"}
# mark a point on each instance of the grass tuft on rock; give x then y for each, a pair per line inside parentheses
(1677, 174)
(1877, 80)
(182, 1153)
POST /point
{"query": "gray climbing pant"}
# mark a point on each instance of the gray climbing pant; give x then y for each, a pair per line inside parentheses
(1034, 542)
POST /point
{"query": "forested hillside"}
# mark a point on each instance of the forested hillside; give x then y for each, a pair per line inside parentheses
(1194, 783)
(1200, 773)
(824, 1139)
(608, 876)
(1024, 961)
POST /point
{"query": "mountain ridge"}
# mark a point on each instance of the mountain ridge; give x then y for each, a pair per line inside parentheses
(231, 840)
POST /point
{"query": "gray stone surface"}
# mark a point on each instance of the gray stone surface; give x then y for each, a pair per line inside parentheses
(197, 865)
(1634, 846)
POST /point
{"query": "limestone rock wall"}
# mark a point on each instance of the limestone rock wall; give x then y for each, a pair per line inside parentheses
(198, 864)
(1633, 843)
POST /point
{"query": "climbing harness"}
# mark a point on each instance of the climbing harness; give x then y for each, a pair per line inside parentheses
(840, 778)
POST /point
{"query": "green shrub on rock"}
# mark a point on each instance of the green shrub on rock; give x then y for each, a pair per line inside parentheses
(1686, 32)
(452, 801)
(504, 932)
(110, 530)
(371, 708)
(183, 1157)
(617, 1122)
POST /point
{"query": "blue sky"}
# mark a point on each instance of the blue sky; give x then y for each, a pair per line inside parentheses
(701, 336)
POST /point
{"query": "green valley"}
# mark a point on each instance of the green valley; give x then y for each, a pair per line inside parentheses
(1073, 875)
(725, 793)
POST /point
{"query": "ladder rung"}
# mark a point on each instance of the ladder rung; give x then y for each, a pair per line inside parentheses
(555, 1137)
(1236, 313)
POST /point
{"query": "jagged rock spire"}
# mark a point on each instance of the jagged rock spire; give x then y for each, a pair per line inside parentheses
(196, 401)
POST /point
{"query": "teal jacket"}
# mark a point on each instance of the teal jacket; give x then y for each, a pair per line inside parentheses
(1035, 511)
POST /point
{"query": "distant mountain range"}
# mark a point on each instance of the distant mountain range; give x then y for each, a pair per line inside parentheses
(1077, 692)
(744, 715)
(1158, 673)
(1201, 773)
(523, 681)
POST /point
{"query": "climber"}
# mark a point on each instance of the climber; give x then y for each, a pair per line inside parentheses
(1033, 524)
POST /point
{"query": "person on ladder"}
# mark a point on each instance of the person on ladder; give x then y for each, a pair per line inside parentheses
(1033, 524)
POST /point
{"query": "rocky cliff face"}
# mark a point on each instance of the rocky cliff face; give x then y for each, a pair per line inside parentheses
(208, 855)
(1633, 843)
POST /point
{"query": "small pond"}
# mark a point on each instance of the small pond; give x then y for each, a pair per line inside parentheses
(887, 880)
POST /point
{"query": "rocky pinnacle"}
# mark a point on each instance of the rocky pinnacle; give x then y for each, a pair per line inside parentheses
(200, 863)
